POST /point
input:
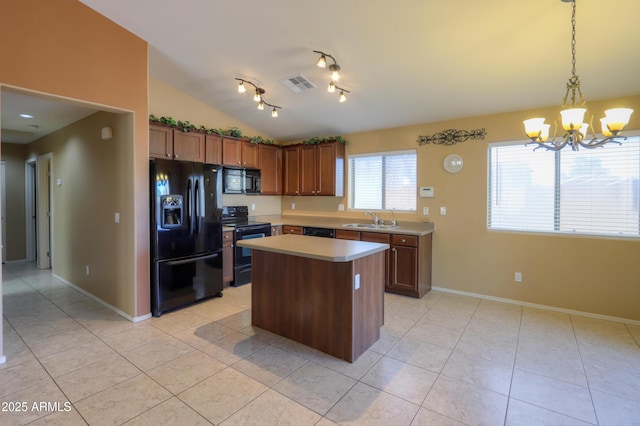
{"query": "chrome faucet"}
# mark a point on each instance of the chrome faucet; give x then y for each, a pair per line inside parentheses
(373, 215)
(393, 217)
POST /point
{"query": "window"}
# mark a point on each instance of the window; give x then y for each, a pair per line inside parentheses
(585, 192)
(383, 181)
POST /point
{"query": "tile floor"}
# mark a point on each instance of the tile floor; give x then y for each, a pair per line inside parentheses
(441, 360)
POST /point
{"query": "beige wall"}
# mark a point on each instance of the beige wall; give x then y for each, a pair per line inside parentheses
(14, 156)
(596, 275)
(92, 172)
(66, 49)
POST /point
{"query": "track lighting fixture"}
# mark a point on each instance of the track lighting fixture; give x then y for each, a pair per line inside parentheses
(335, 74)
(334, 68)
(258, 96)
(333, 87)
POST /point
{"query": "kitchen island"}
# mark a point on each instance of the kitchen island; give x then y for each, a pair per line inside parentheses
(325, 293)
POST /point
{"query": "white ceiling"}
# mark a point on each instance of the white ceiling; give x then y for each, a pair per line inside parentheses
(405, 62)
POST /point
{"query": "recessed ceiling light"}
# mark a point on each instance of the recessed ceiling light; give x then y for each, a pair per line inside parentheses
(26, 115)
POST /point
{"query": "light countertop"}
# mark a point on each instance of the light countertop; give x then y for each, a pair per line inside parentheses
(329, 249)
(409, 228)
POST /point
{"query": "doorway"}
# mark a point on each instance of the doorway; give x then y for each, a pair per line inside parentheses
(30, 209)
(4, 214)
(44, 209)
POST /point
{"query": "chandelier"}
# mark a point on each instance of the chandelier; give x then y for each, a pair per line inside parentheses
(573, 114)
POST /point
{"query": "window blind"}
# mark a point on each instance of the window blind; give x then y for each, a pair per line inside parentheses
(383, 181)
(585, 192)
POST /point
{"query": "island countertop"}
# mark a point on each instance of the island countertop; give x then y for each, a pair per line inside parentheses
(329, 249)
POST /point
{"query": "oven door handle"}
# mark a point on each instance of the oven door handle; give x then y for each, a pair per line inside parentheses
(192, 260)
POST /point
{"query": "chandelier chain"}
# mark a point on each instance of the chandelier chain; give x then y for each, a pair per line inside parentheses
(573, 38)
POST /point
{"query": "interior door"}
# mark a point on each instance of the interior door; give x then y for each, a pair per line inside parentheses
(44, 212)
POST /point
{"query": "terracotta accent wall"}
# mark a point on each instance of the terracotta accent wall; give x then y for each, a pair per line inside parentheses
(589, 274)
(66, 49)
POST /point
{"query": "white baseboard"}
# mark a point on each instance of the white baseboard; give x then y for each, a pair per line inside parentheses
(535, 305)
(103, 303)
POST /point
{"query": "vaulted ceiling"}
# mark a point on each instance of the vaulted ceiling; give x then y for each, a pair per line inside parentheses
(404, 62)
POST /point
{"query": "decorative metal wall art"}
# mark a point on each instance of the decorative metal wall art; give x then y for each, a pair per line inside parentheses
(452, 137)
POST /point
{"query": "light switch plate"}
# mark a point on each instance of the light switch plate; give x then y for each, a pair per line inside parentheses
(443, 211)
(356, 281)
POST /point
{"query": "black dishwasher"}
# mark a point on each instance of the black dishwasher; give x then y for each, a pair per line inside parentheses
(319, 232)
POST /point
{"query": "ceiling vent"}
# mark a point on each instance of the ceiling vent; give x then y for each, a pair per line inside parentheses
(298, 83)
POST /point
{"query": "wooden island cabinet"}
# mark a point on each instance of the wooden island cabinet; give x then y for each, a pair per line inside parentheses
(322, 292)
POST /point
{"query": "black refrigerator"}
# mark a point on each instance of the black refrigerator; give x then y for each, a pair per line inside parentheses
(186, 233)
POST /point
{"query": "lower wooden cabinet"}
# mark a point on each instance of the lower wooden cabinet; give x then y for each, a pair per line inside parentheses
(227, 258)
(407, 264)
(288, 229)
(410, 265)
(345, 234)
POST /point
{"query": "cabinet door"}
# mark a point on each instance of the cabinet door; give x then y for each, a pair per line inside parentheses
(270, 165)
(231, 152)
(308, 170)
(291, 170)
(249, 155)
(160, 141)
(404, 269)
(330, 169)
(227, 257)
(188, 146)
(213, 149)
(276, 230)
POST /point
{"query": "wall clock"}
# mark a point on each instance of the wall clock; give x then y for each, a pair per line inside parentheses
(453, 163)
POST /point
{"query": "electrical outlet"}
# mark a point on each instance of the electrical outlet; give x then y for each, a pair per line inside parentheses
(356, 281)
(293, 206)
(425, 211)
(443, 211)
(117, 217)
(340, 207)
(253, 206)
(518, 277)
(87, 270)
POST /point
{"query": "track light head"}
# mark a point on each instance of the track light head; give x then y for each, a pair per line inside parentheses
(342, 97)
(335, 72)
(274, 112)
(241, 88)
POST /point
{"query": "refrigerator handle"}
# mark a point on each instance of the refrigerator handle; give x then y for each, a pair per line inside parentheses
(189, 206)
(196, 217)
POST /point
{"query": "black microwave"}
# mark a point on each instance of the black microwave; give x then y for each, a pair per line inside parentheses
(241, 181)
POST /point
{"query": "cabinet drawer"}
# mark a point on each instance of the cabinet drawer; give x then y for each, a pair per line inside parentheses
(288, 229)
(375, 237)
(404, 240)
(227, 238)
(347, 235)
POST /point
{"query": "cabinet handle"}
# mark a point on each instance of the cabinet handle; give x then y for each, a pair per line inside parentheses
(176, 156)
(169, 155)
(404, 241)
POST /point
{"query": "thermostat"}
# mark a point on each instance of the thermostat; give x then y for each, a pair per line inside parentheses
(427, 191)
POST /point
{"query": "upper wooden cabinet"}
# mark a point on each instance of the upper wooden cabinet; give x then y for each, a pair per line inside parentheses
(160, 141)
(270, 165)
(291, 165)
(213, 149)
(239, 153)
(188, 146)
(314, 169)
(169, 143)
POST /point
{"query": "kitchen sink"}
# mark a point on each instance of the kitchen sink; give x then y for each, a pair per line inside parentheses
(367, 226)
